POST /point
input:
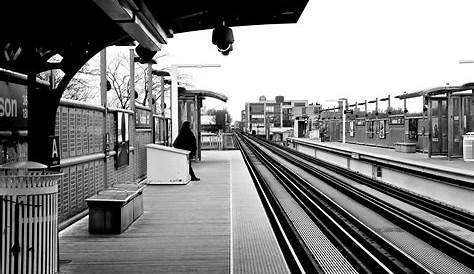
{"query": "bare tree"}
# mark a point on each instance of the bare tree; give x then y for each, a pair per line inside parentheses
(118, 74)
(84, 85)
(81, 87)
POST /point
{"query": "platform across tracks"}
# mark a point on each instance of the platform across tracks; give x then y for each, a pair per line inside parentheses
(216, 225)
(447, 181)
(439, 162)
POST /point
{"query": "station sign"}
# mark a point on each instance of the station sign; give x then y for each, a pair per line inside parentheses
(13, 107)
(54, 151)
(142, 118)
(396, 120)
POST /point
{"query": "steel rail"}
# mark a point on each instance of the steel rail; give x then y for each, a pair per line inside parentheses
(386, 256)
(453, 215)
(458, 248)
(283, 229)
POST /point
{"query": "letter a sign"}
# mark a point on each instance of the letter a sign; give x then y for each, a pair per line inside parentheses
(54, 150)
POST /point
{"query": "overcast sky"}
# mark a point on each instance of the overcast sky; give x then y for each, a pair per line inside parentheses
(353, 49)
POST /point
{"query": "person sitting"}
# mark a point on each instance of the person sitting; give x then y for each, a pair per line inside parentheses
(187, 141)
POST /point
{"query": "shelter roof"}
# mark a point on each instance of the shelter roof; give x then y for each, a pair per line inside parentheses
(204, 93)
(436, 91)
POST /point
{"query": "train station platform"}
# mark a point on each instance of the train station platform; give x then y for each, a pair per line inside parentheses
(455, 165)
(448, 181)
(216, 225)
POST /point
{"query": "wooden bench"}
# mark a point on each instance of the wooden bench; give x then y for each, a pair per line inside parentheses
(405, 147)
(111, 211)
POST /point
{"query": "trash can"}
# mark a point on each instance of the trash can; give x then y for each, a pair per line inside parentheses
(29, 218)
(468, 147)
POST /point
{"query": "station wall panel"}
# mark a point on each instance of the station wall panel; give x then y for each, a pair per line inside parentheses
(81, 134)
(397, 134)
(79, 187)
(71, 129)
(86, 145)
(72, 190)
(99, 175)
(142, 138)
(78, 135)
(57, 123)
(98, 118)
(64, 135)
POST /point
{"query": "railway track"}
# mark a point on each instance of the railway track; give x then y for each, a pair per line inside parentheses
(360, 248)
(451, 214)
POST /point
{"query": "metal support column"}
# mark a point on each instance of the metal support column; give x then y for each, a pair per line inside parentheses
(430, 126)
(103, 102)
(162, 94)
(450, 125)
(131, 126)
(405, 122)
(174, 103)
(149, 88)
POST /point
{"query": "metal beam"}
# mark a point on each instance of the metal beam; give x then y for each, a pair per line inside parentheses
(136, 21)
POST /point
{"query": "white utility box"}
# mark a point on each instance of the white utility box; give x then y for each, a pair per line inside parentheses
(468, 147)
(167, 165)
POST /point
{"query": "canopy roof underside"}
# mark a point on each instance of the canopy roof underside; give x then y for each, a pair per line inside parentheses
(78, 29)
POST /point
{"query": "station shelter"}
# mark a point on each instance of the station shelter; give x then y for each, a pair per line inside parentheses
(189, 109)
(450, 115)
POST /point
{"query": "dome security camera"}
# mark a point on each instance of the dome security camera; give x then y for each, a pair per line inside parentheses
(145, 55)
(223, 38)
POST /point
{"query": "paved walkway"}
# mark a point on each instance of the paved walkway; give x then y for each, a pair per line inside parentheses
(185, 229)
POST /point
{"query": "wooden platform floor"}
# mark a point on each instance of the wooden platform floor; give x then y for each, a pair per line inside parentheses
(184, 229)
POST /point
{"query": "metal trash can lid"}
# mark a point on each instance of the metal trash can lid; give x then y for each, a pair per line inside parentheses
(23, 165)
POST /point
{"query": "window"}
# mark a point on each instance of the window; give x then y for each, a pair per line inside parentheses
(269, 108)
(256, 108)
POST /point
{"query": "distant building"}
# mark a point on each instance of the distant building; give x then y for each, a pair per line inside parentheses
(268, 117)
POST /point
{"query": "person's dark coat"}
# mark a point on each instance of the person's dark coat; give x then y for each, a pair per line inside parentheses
(186, 139)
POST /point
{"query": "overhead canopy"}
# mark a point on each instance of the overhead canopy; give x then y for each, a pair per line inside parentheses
(78, 29)
(183, 15)
(203, 93)
(34, 31)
